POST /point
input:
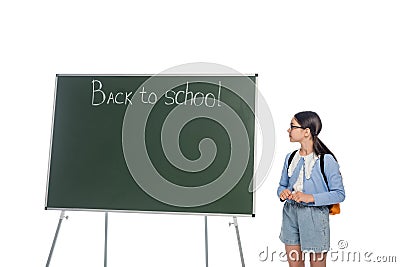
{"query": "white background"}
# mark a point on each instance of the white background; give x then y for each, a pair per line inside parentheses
(339, 58)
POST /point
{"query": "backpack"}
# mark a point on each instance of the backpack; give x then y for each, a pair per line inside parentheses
(334, 208)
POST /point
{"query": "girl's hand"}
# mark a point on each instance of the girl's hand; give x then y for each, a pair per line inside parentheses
(301, 197)
(285, 194)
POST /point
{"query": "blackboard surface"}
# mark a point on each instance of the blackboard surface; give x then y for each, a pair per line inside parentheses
(143, 143)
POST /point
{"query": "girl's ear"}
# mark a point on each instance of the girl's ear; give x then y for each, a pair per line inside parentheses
(307, 132)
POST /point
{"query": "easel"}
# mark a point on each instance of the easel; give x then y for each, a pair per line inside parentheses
(237, 236)
(62, 217)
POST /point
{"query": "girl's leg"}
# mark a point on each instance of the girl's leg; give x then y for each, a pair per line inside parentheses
(294, 255)
(318, 259)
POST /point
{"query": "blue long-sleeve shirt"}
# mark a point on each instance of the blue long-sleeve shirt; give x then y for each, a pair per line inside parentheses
(316, 184)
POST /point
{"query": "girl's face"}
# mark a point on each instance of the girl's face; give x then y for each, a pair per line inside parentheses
(296, 132)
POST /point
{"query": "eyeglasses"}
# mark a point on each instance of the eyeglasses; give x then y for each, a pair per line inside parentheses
(295, 127)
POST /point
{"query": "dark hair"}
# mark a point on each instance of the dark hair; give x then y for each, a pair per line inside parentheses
(311, 120)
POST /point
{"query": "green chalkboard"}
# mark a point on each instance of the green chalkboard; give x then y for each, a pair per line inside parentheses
(153, 143)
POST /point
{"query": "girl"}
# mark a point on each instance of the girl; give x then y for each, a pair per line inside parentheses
(305, 223)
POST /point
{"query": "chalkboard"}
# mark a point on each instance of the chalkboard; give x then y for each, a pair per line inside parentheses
(153, 143)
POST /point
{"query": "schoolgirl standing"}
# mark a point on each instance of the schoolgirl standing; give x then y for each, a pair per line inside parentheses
(308, 195)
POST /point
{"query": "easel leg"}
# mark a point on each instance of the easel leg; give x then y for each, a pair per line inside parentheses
(62, 216)
(105, 238)
(206, 238)
(238, 240)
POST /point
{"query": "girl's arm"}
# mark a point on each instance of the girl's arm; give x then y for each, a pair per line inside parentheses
(336, 192)
(284, 182)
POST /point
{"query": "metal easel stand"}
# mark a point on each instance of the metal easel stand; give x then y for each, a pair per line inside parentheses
(62, 217)
(206, 238)
(238, 239)
(237, 235)
(105, 238)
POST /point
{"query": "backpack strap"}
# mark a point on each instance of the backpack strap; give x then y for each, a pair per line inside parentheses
(290, 159)
(322, 165)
